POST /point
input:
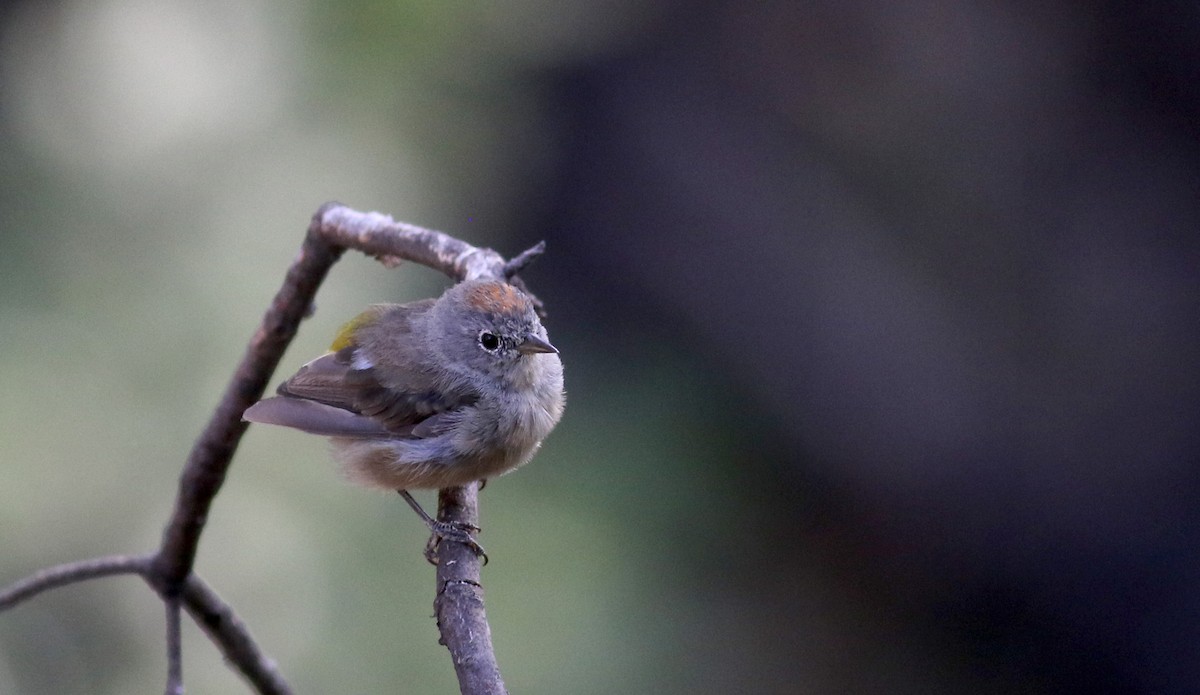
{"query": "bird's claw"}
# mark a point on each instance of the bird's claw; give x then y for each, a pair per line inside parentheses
(456, 532)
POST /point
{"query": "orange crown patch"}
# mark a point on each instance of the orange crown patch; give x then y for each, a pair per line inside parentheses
(497, 298)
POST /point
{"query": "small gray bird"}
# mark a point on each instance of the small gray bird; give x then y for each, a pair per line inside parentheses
(430, 394)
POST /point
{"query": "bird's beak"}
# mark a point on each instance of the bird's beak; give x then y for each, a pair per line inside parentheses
(533, 344)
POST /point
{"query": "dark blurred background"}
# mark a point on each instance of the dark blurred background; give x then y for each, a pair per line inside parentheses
(881, 325)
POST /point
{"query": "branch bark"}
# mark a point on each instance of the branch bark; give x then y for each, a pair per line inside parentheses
(170, 571)
(174, 647)
(71, 572)
(459, 604)
(231, 636)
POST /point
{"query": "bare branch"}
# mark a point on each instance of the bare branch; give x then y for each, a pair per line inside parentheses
(459, 604)
(174, 648)
(229, 633)
(205, 469)
(378, 235)
(523, 260)
(334, 228)
(72, 572)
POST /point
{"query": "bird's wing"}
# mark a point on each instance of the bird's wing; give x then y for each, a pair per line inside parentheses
(314, 418)
(359, 398)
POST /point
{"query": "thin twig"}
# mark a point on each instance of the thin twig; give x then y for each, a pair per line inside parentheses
(174, 648)
(71, 572)
(519, 263)
(522, 260)
(229, 633)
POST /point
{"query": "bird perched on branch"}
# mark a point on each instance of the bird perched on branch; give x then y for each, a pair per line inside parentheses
(430, 394)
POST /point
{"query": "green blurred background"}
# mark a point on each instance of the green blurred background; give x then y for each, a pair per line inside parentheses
(160, 163)
(879, 323)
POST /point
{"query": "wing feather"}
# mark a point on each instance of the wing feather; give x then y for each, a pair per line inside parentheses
(345, 394)
(314, 418)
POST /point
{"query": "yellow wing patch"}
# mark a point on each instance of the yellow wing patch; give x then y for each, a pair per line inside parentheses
(345, 335)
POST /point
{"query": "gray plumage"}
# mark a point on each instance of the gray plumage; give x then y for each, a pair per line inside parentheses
(432, 393)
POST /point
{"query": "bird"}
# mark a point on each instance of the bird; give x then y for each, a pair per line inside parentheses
(430, 394)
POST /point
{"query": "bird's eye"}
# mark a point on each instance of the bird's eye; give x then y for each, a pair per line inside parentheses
(489, 341)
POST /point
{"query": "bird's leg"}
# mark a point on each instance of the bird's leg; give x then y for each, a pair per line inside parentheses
(455, 531)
